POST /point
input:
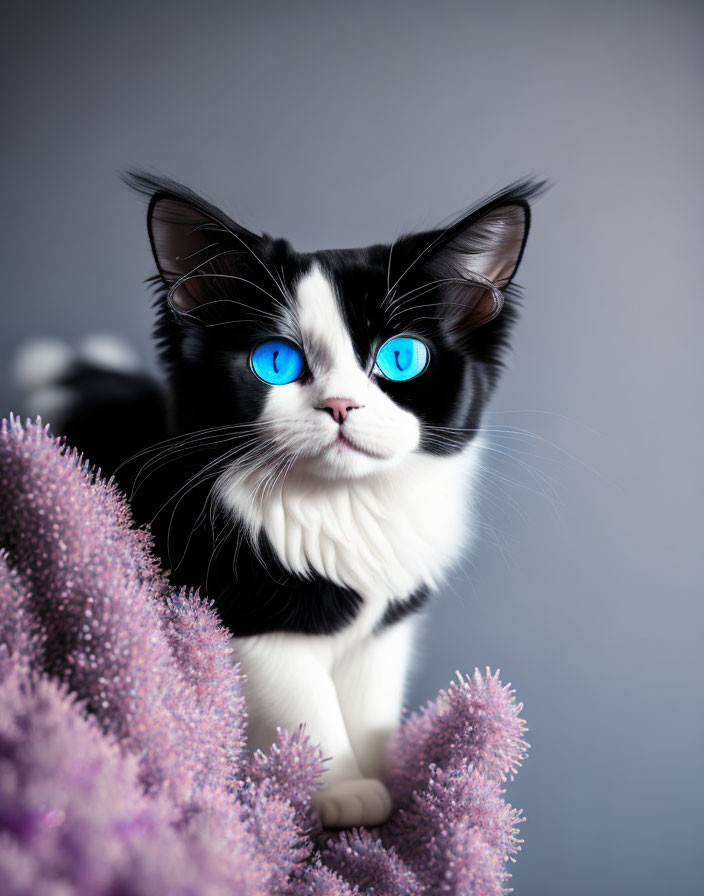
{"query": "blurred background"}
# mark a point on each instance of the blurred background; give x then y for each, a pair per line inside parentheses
(341, 125)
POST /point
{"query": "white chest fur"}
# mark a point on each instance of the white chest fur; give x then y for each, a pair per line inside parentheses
(383, 536)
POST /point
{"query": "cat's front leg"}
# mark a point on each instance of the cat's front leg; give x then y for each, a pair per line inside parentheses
(288, 683)
(370, 680)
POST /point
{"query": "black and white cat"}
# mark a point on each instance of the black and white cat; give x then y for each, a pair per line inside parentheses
(315, 446)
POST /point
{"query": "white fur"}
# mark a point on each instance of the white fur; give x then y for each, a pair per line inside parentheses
(40, 362)
(383, 535)
(384, 520)
(348, 691)
(107, 351)
(36, 368)
(319, 318)
(50, 404)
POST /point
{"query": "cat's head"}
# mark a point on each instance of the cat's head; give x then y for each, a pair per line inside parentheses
(338, 363)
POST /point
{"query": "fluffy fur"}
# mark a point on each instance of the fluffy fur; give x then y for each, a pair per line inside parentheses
(317, 537)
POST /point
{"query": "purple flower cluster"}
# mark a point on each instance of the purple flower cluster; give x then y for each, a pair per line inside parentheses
(123, 761)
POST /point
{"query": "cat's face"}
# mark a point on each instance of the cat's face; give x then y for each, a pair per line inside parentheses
(336, 418)
(335, 364)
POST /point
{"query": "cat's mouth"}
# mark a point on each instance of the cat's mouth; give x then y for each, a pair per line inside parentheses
(344, 443)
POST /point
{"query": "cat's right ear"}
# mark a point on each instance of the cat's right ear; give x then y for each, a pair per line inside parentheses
(198, 250)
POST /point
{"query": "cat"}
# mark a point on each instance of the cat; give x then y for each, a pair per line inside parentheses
(309, 462)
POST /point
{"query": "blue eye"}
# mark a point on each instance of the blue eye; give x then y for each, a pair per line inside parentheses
(277, 362)
(402, 358)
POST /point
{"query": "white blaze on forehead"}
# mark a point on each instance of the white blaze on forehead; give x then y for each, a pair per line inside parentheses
(325, 336)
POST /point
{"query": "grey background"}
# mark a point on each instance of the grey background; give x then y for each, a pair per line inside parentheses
(342, 125)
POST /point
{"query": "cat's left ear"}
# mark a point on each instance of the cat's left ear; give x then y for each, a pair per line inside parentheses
(475, 259)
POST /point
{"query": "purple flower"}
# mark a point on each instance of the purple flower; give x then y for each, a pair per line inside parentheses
(360, 858)
(123, 761)
(476, 720)
(319, 880)
(75, 818)
(290, 771)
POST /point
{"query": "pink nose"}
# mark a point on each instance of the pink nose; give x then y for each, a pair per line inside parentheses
(338, 408)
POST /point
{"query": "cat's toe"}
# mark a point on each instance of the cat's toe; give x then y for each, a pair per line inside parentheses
(346, 804)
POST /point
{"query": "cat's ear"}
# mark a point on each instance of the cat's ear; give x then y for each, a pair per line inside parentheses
(198, 254)
(198, 250)
(475, 259)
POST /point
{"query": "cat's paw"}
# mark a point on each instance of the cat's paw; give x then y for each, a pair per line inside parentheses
(347, 804)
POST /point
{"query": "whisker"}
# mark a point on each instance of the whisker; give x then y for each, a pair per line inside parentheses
(420, 255)
(192, 483)
(182, 436)
(172, 453)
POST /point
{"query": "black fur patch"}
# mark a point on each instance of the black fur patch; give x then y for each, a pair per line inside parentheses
(401, 609)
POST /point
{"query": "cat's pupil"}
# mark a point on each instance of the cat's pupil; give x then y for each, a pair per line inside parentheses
(396, 355)
(276, 369)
